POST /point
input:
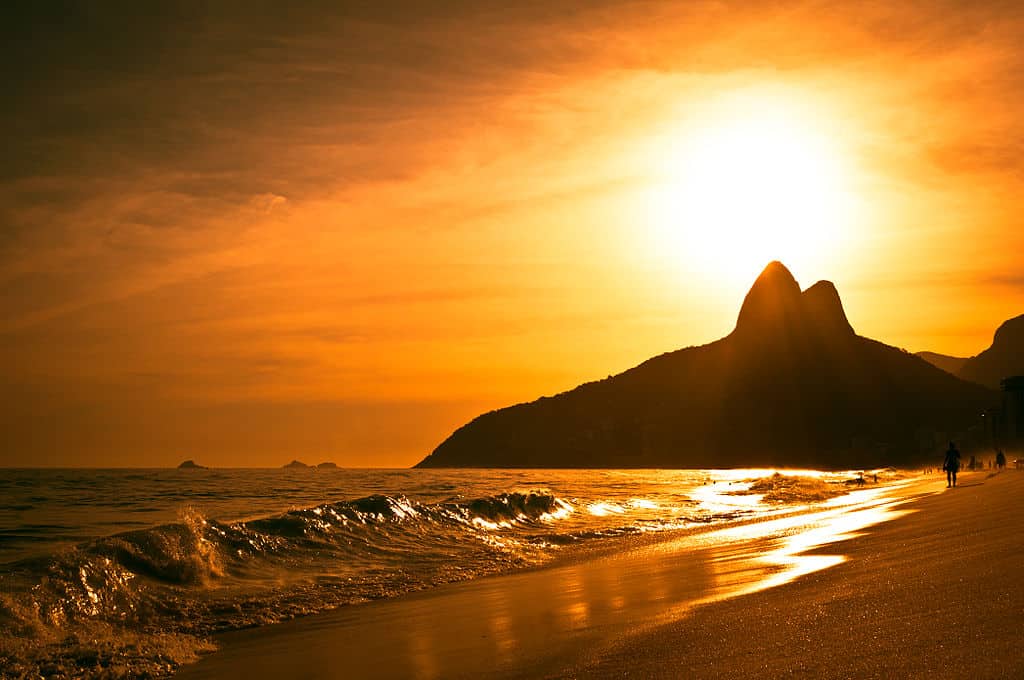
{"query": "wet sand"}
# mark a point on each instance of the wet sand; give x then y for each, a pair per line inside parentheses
(933, 592)
(937, 594)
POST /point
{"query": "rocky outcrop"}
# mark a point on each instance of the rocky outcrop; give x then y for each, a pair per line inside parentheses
(191, 465)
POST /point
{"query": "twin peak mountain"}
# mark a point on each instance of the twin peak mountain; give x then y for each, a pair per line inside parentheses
(792, 385)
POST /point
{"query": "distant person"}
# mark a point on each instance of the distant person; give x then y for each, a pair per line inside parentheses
(951, 465)
(1000, 459)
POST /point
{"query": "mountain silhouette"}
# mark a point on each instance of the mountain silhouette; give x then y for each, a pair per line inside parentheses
(947, 363)
(1003, 359)
(792, 385)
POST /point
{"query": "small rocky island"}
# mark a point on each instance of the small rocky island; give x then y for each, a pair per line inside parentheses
(191, 465)
(294, 465)
(327, 465)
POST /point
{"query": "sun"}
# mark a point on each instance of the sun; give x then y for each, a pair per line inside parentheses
(759, 180)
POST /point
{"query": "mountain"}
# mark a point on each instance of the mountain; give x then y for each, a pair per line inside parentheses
(792, 385)
(944, 361)
(1003, 359)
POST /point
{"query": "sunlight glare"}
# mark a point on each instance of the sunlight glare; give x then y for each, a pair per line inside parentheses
(755, 182)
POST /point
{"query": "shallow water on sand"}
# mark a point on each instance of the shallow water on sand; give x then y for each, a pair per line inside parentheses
(130, 571)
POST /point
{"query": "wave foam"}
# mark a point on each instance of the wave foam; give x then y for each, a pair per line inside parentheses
(779, 488)
(149, 597)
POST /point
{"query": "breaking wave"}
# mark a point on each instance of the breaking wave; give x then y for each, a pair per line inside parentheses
(140, 603)
(146, 600)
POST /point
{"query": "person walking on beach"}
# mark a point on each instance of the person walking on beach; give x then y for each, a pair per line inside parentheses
(951, 465)
(1000, 459)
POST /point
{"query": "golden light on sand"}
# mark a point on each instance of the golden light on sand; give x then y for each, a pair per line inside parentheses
(756, 178)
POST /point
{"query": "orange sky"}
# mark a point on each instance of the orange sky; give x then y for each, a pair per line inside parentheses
(244, 238)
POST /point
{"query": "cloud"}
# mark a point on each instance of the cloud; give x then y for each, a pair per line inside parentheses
(246, 201)
(268, 202)
(1014, 281)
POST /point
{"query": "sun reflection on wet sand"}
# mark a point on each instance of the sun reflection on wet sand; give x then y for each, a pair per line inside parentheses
(505, 641)
(422, 654)
(760, 555)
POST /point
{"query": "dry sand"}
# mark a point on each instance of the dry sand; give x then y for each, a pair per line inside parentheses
(936, 592)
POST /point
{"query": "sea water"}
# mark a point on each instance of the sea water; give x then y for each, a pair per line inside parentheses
(131, 571)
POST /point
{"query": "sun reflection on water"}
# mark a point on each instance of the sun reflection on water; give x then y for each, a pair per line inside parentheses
(605, 509)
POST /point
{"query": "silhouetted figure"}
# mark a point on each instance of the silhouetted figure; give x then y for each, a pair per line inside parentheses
(951, 465)
(1000, 459)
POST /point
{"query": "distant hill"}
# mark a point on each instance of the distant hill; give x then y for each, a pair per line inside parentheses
(190, 465)
(295, 464)
(1003, 359)
(792, 385)
(944, 361)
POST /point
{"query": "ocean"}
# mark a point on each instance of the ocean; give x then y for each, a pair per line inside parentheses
(129, 572)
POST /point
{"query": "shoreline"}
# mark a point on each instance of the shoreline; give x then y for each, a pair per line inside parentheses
(936, 594)
(565, 620)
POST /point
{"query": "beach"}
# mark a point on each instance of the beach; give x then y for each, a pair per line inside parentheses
(919, 584)
(934, 594)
